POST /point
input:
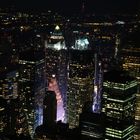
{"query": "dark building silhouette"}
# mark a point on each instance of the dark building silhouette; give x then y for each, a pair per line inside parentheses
(49, 111)
(92, 125)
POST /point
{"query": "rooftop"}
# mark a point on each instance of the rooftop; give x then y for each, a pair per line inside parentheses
(31, 55)
(118, 77)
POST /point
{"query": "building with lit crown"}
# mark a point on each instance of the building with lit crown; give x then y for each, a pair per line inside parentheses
(80, 79)
(56, 69)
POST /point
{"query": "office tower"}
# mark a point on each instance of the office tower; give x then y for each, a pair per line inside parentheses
(106, 42)
(92, 121)
(32, 84)
(9, 82)
(130, 51)
(49, 111)
(80, 79)
(119, 97)
(9, 116)
(92, 125)
(56, 69)
(13, 119)
(131, 63)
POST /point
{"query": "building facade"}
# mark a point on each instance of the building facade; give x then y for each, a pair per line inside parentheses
(32, 86)
(80, 81)
(12, 118)
(56, 69)
(119, 97)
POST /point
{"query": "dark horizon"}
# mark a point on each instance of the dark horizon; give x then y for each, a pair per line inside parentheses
(63, 6)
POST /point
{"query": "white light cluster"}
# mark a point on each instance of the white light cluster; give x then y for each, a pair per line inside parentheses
(57, 46)
(81, 44)
(120, 22)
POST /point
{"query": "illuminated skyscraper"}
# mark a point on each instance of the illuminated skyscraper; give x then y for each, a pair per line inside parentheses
(131, 63)
(119, 97)
(56, 69)
(8, 92)
(9, 82)
(32, 85)
(80, 80)
(12, 117)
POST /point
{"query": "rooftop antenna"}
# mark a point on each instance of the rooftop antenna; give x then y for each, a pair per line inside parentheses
(83, 7)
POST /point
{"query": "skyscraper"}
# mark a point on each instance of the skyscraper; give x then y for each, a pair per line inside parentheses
(131, 63)
(56, 69)
(80, 79)
(106, 42)
(13, 119)
(32, 84)
(119, 96)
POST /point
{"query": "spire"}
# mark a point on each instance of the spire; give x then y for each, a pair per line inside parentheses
(83, 6)
(57, 27)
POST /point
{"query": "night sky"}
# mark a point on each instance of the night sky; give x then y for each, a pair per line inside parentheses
(99, 6)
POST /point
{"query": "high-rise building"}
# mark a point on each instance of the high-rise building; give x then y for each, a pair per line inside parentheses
(106, 42)
(9, 82)
(119, 97)
(32, 85)
(131, 63)
(49, 111)
(130, 50)
(56, 69)
(80, 79)
(13, 119)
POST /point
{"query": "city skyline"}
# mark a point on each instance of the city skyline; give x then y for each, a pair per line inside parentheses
(62, 68)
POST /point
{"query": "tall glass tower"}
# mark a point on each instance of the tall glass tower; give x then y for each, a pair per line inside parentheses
(80, 79)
